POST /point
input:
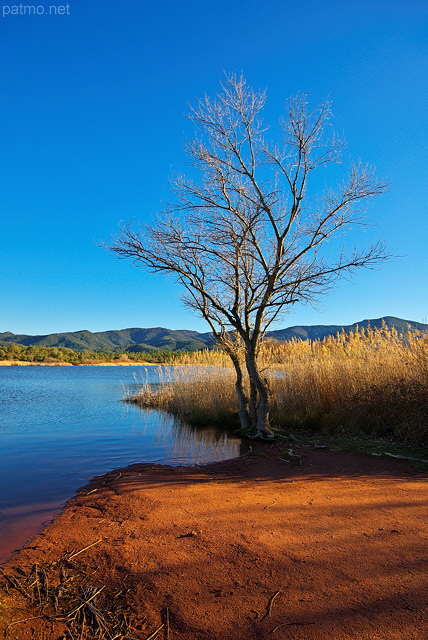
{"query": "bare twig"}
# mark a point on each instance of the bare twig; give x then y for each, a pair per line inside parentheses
(73, 555)
(85, 602)
(155, 632)
(13, 583)
(270, 603)
(20, 621)
(167, 623)
(395, 455)
(289, 624)
(270, 505)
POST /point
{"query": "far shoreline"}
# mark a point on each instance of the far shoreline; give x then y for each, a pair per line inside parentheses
(23, 363)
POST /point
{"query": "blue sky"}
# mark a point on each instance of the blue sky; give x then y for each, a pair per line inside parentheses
(93, 107)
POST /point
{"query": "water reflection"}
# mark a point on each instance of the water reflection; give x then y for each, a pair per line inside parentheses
(186, 442)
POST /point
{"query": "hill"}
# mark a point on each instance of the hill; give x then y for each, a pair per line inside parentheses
(159, 338)
(113, 341)
(318, 332)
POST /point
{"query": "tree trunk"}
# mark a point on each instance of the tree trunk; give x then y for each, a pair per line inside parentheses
(244, 418)
(261, 385)
(253, 404)
(233, 353)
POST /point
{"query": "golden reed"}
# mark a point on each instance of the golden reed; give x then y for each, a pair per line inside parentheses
(373, 381)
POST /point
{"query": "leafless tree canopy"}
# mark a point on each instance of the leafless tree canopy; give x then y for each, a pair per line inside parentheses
(247, 238)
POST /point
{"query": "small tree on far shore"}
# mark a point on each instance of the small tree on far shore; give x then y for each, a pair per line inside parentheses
(247, 239)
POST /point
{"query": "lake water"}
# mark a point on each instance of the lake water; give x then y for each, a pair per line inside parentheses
(59, 426)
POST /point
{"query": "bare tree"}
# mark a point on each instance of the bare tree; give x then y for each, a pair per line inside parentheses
(248, 239)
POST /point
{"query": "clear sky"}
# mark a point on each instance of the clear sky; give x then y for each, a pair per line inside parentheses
(93, 110)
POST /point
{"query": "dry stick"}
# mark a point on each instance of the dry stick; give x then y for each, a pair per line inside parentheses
(395, 455)
(83, 629)
(19, 622)
(155, 632)
(270, 603)
(15, 584)
(36, 569)
(83, 604)
(73, 555)
(270, 505)
(46, 583)
(167, 623)
(289, 624)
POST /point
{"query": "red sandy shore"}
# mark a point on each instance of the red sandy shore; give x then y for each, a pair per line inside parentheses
(247, 549)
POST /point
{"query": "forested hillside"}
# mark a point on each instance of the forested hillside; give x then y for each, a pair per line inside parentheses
(139, 340)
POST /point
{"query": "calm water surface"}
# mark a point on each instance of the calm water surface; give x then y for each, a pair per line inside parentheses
(59, 426)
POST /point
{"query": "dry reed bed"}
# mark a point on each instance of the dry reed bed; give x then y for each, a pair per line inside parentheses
(59, 593)
(372, 381)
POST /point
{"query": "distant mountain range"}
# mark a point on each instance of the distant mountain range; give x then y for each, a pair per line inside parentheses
(158, 338)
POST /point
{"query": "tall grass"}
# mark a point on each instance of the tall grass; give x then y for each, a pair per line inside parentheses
(201, 395)
(372, 381)
(203, 358)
